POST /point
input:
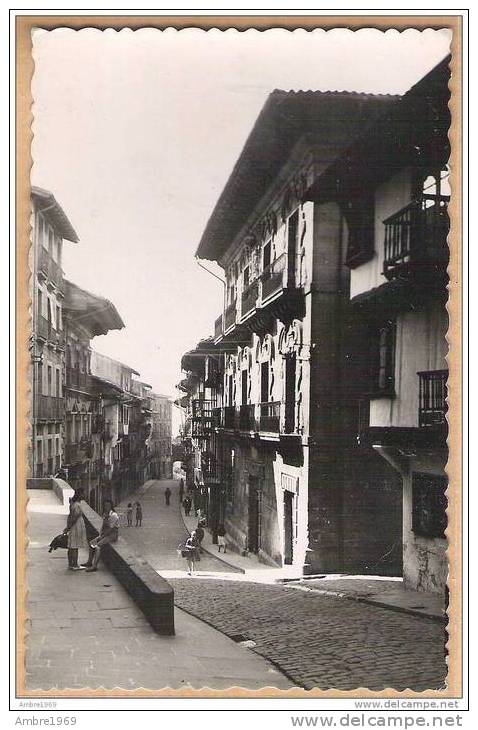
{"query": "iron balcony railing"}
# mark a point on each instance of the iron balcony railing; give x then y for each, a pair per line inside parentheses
(247, 419)
(416, 235)
(432, 407)
(218, 327)
(249, 298)
(230, 316)
(49, 407)
(49, 268)
(229, 417)
(202, 417)
(269, 418)
(273, 277)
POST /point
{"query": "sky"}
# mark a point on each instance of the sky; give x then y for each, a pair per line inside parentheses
(136, 133)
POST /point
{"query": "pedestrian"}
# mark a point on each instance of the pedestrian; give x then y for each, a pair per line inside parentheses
(139, 514)
(199, 532)
(190, 551)
(181, 490)
(108, 534)
(187, 505)
(129, 514)
(75, 530)
(221, 538)
(167, 495)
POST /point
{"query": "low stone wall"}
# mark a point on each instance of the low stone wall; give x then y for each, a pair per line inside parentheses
(40, 483)
(150, 591)
(62, 490)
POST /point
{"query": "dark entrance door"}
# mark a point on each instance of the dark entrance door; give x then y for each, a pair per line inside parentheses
(254, 515)
(288, 527)
(290, 371)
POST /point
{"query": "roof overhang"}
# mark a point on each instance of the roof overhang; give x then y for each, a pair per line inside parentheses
(52, 210)
(95, 313)
(331, 117)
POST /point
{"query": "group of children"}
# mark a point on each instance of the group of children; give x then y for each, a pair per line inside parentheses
(129, 514)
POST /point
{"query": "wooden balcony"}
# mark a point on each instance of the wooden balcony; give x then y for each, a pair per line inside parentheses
(415, 238)
(249, 298)
(432, 407)
(78, 452)
(272, 278)
(46, 332)
(269, 417)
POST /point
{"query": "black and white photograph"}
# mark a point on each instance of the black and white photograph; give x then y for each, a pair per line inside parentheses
(239, 363)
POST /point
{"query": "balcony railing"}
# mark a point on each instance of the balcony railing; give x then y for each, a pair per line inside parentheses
(76, 380)
(432, 407)
(202, 417)
(47, 332)
(273, 277)
(230, 316)
(247, 420)
(229, 417)
(269, 418)
(49, 408)
(218, 329)
(416, 235)
(249, 298)
(49, 268)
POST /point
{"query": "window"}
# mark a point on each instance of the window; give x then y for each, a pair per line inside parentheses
(266, 256)
(429, 504)
(382, 359)
(50, 448)
(51, 240)
(57, 383)
(264, 382)
(58, 317)
(50, 380)
(246, 276)
(40, 378)
(359, 212)
(39, 451)
(39, 302)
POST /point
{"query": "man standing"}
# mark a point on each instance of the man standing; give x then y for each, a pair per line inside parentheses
(167, 494)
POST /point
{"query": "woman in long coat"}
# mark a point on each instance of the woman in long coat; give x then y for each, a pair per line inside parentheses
(76, 530)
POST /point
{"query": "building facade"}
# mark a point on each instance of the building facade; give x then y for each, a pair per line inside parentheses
(50, 229)
(398, 293)
(161, 437)
(273, 404)
(85, 316)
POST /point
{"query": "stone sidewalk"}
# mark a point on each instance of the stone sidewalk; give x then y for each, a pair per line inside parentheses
(85, 631)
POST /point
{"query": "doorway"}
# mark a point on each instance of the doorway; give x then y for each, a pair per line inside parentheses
(254, 536)
(288, 528)
(290, 377)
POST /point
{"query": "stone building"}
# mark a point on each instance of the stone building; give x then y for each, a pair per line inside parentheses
(398, 258)
(272, 404)
(51, 228)
(86, 315)
(161, 437)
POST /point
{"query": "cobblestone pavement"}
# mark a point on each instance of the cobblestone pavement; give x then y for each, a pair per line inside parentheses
(317, 640)
(322, 641)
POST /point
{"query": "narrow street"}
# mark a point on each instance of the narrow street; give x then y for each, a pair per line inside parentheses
(316, 640)
(163, 530)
